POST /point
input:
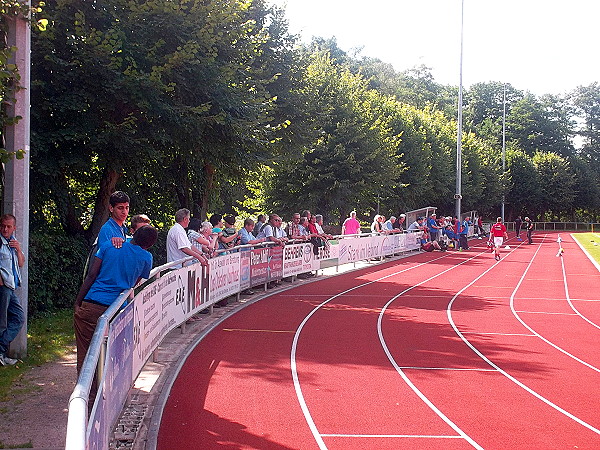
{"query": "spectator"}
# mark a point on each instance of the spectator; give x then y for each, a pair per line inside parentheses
(247, 236)
(479, 227)
(259, 224)
(427, 244)
(417, 225)
(217, 222)
(200, 236)
(452, 237)
(138, 221)
(307, 228)
(518, 225)
(229, 234)
(178, 244)
(432, 227)
(12, 316)
(388, 225)
(319, 225)
(293, 228)
(272, 231)
(399, 224)
(463, 233)
(114, 229)
(351, 225)
(377, 225)
(113, 271)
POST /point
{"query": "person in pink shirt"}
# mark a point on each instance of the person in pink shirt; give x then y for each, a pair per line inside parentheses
(351, 225)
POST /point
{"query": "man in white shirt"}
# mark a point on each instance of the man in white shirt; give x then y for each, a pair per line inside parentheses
(178, 244)
(272, 231)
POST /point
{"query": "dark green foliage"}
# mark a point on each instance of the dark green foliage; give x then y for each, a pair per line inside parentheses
(56, 266)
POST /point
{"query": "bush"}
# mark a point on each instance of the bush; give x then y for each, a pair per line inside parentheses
(56, 265)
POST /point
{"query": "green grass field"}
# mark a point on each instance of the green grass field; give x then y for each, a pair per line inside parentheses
(587, 241)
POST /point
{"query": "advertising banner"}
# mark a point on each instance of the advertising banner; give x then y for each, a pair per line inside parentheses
(275, 266)
(224, 276)
(259, 265)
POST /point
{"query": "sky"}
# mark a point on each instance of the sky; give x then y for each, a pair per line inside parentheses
(542, 46)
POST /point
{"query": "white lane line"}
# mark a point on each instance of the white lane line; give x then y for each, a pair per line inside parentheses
(546, 312)
(500, 334)
(294, 368)
(398, 368)
(445, 368)
(426, 436)
(568, 296)
(516, 314)
(507, 375)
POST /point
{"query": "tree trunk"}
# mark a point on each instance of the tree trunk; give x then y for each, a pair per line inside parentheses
(65, 207)
(107, 187)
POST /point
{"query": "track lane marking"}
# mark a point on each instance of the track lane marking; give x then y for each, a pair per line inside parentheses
(424, 436)
(503, 372)
(244, 330)
(294, 368)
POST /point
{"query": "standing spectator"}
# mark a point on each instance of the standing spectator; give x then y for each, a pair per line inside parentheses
(272, 231)
(259, 224)
(377, 225)
(12, 259)
(417, 225)
(529, 227)
(432, 227)
(498, 232)
(388, 225)
(293, 228)
(200, 235)
(319, 225)
(246, 234)
(114, 229)
(351, 225)
(113, 271)
(399, 224)
(178, 244)
(463, 243)
(518, 225)
(229, 234)
(138, 221)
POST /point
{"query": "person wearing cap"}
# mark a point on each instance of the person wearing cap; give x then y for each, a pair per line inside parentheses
(432, 227)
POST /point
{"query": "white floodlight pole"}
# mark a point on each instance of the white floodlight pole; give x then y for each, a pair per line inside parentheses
(503, 145)
(458, 195)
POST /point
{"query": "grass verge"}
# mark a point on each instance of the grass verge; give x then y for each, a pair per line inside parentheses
(48, 338)
(587, 241)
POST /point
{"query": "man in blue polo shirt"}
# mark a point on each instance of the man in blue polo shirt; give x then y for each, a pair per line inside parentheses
(113, 271)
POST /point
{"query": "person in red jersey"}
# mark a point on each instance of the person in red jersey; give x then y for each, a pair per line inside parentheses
(498, 233)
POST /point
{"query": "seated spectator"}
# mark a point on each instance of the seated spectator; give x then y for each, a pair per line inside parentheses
(427, 244)
(448, 232)
(351, 225)
(138, 221)
(201, 237)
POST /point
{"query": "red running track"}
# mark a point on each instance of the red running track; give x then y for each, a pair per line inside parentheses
(437, 350)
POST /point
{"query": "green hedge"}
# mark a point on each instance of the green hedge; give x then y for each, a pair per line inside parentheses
(55, 270)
